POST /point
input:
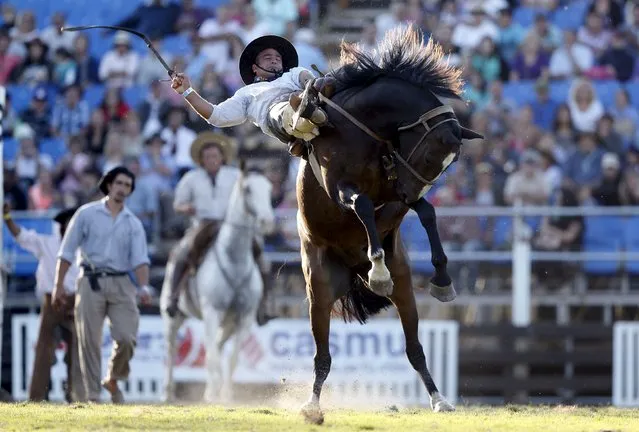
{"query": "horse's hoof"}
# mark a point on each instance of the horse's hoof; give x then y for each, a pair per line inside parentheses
(443, 406)
(312, 413)
(443, 294)
(439, 404)
(383, 287)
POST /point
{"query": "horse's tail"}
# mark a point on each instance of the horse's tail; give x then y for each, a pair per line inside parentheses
(359, 302)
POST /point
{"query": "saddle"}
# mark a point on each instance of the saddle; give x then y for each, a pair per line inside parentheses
(308, 113)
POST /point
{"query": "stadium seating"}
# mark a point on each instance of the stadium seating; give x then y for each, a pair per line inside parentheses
(603, 234)
(416, 240)
(54, 147)
(631, 237)
(10, 149)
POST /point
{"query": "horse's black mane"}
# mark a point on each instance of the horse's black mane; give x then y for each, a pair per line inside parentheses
(401, 54)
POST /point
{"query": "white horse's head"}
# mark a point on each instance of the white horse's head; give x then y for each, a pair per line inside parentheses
(251, 201)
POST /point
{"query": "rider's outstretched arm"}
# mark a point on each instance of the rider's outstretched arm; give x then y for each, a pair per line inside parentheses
(231, 112)
(200, 105)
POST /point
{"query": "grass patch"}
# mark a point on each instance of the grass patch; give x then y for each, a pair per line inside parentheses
(82, 417)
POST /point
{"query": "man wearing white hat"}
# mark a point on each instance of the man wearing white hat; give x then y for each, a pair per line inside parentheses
(204, 194)
(119, 66)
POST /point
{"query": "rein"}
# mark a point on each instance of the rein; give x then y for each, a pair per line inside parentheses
(393, 153)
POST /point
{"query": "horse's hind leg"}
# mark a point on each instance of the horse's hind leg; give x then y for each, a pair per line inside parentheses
(441, 285)
(319, 275)
(404, 301)
(378, 277)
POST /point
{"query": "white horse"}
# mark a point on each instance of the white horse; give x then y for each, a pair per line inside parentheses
(227, 288)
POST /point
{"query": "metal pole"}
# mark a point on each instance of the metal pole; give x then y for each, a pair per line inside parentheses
(3, 99)
(521, 295)
(521, 270)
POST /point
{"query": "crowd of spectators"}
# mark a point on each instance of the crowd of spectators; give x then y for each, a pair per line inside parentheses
(580, 149)
(153, 137)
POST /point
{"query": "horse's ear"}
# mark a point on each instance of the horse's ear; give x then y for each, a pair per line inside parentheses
(243, 166)
(470, 134)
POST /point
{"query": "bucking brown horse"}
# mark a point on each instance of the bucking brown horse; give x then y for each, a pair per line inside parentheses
(390, 137)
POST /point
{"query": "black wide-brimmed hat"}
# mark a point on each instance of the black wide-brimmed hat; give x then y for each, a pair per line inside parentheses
(65, 215)
(278, 43)
(108, 178)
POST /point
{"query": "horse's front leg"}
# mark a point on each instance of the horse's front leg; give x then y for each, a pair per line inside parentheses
(441, 285)
(171, 326)
(379, 277)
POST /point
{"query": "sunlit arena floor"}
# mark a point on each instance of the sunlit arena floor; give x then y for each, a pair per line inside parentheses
(107, 417)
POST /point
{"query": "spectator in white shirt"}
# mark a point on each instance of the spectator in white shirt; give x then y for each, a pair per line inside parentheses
(277, 13)
(594, 34)
(215, 34)
(119, 66)
(572, 58)
(56, 38)
(178, 139)
(24, 31)
(45, 248)
(252, 27)
(468, 35)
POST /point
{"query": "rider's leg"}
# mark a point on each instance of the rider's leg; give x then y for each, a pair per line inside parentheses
(189, 257)
(180, 259)
(262, 316)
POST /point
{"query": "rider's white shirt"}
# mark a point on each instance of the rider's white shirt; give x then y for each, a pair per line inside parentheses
(252, 102)
(210, 201)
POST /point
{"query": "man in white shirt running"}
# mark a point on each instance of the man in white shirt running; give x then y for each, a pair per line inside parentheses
(270, 99)
(45, 248)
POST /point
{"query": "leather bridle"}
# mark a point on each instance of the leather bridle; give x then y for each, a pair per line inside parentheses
(393, 152)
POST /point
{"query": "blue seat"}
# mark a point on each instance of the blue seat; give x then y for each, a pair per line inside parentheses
(631, 240)
(571, 16)
(606, 91)
(502, 233)
(525, 16)
(602, 234)
(10, 149)
(20, 97)
(177, 45)
(135, 95)
(54, 147)
(633, 91)
(559, 90)
(23, 263)
(521, 92)
(94, 95)
(415, 239)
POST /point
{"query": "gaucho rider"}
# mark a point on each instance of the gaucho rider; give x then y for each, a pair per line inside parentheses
(268, 66)
(203, 194)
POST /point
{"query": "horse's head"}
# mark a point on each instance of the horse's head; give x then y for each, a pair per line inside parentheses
(396, 92)
(427, 144)
(251, 201)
